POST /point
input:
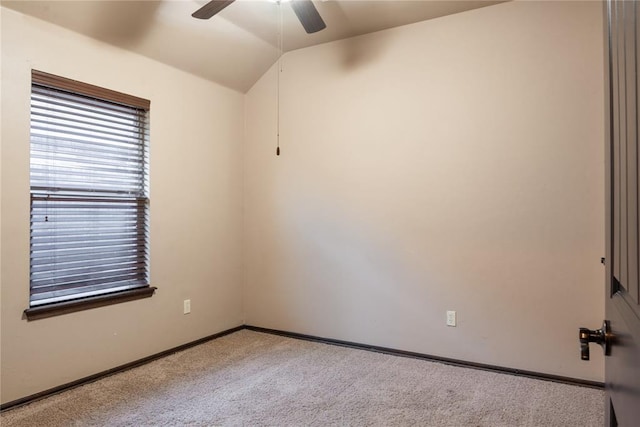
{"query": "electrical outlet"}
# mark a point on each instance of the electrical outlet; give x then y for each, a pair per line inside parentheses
(451, 318)
(187, 306)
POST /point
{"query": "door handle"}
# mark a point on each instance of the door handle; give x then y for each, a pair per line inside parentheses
(600, 336)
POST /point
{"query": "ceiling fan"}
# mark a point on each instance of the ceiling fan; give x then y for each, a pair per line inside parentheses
(304, 10)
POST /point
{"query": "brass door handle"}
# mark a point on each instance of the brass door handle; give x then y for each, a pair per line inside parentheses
(600, 336)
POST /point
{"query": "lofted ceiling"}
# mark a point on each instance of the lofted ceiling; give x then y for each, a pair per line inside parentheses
(235, 47)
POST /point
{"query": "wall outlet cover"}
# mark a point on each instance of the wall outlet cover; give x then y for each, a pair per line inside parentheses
(451, 318)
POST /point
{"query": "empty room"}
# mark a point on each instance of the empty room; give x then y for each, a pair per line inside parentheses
(327, 212)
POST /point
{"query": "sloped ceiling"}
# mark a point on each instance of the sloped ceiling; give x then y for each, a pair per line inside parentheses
(235, 47)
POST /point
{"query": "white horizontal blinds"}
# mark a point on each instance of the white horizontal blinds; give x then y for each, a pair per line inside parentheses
(89, 186)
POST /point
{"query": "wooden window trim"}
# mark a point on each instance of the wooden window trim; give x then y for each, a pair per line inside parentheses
(71, 306)
(51, 80)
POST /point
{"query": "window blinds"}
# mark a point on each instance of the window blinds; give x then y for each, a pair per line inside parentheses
(89, 187)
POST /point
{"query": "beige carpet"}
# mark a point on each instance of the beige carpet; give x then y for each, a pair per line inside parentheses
(250, 378)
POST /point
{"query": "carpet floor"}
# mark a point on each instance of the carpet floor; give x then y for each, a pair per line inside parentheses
(253, 379)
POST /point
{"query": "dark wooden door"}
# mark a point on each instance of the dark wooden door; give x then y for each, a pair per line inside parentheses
(622, 307)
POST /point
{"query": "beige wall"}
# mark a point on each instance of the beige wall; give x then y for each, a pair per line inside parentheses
(196, 212)
(451, 164)
(454, 164)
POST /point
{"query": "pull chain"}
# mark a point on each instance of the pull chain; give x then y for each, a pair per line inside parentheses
(279, 71)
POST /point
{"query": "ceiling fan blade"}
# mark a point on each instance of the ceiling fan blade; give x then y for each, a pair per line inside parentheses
(308, 15)
(211, 8)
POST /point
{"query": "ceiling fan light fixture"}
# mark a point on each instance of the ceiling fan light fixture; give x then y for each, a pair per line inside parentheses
(304, 9)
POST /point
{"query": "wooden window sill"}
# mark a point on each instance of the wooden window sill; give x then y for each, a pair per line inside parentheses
(59, 308)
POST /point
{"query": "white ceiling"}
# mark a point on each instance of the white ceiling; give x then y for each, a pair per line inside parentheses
(237, 46)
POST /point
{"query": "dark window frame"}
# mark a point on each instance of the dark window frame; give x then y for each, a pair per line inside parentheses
(67, 301)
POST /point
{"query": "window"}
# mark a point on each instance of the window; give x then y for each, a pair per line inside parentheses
(89, 194)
